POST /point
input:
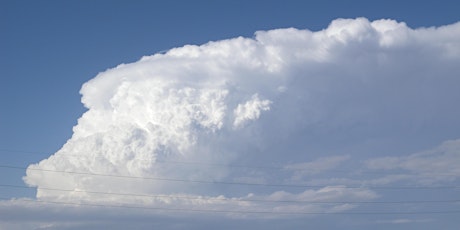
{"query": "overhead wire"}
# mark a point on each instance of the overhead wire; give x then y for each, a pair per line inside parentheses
(233, 199)
(230, 182)
(241, 211)
(267, 167)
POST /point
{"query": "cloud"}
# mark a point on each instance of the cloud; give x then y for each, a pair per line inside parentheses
(42, 214)
(250, 110)
(301, 170)
(202, 121)
(404, 221)
(433, 166)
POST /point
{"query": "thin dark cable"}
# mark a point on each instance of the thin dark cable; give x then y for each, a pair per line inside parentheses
(240, 211)
(212, 164)
(241, 199)
(162, 162)
(232, 183)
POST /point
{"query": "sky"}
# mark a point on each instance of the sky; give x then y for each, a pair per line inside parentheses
(229, 114)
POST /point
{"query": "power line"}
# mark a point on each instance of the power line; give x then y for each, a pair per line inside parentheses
(231, 183)
(240, 211)
(213, 164)
(162, 162)
(230, 199)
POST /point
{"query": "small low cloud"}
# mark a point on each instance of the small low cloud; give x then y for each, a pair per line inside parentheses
(404, 221)
(321, 165)
(427, 167)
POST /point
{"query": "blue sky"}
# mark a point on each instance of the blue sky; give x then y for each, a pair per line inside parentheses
(51, 48)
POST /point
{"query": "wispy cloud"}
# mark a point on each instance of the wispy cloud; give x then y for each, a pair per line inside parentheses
(432, 166)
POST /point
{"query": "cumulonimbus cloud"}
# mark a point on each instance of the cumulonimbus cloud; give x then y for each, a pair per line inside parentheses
(227, 101)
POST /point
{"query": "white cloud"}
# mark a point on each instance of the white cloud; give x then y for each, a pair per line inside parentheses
(91, 211)
(250, 110)
(355, 81)
(436, 165)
